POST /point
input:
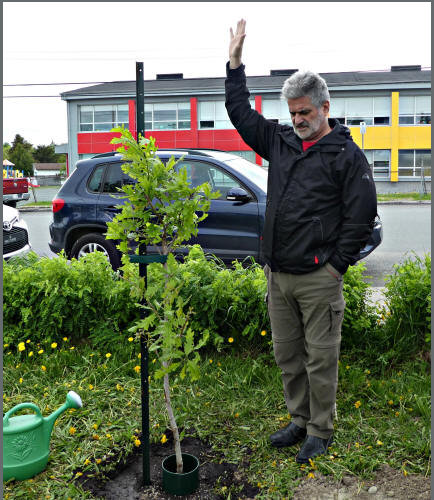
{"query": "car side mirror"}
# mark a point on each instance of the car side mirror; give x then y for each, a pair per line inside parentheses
(238, 194)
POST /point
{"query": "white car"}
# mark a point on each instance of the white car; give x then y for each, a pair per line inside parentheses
(15, 233)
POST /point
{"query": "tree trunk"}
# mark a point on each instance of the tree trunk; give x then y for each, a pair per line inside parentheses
(173, 426)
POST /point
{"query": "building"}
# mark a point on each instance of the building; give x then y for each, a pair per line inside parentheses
(190, 113)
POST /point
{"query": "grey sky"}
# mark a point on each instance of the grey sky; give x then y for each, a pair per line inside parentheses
(52, 42)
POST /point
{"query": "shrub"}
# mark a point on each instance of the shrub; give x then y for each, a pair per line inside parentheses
(407, 314)
(47, 299)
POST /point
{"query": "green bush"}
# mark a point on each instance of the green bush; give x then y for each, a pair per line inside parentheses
(46, 299)
(407, 316)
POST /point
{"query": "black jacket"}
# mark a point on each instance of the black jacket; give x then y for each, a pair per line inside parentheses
(321, 204)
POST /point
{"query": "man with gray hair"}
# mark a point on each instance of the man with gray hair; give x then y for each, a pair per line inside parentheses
(321, 206)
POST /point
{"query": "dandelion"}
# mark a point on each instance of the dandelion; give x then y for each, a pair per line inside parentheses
(312, 463)
(78, 474)
(43, 368)
(91, 387)
(98, 460)
(5, 345)
(71, 348)
(139, 355)
(72, 430)
(21, 380)
(357, 445)
(95, 426)
(87, 461)
(236, 415)
(137, 368)
(230, 340)
(130, 339)
(357, 404)
(65, 339)
(397, 414)
(311, 475)
(263, 333)
(28, 341)
(108, 355)
(210, 361)
(54, 345)
(95, 437)
(21, 346)
(347, 367)
(119, 387)
(163, 438)
(379, 443)
(30, 354)
(137, 442)
(109, 436)
(405, 473)
(390, 402)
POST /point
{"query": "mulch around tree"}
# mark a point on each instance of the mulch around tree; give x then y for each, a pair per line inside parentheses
(125, 481)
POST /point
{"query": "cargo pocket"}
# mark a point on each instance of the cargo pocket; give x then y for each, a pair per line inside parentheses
(336, 311)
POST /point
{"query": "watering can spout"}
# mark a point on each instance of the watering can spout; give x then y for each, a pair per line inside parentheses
(73, 400)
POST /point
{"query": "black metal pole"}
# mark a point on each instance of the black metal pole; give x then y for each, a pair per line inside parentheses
(144, 359)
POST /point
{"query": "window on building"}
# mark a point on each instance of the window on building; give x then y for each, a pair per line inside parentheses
(167, 116)
(414, 162)
(415, 110)
(351, 111)
(213, 115)
(277, 111)
(379, 160)
(102, 118)
(247, 155)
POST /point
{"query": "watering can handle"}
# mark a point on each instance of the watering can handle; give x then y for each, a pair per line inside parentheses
(20, 407)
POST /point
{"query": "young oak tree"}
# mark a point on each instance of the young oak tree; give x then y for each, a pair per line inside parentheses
(161, 209)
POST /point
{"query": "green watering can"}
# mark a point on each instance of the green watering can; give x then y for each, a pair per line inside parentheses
(26, 439)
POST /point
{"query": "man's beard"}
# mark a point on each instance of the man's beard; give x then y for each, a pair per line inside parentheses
(311, 128)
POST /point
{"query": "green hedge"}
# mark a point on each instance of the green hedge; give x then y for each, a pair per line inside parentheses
(46, 299)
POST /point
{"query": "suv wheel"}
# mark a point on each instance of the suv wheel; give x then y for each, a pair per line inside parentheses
(95, 242)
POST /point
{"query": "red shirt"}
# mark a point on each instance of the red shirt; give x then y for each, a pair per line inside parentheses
(307, 144)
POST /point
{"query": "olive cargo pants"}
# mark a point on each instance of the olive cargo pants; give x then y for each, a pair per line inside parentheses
(306, 313)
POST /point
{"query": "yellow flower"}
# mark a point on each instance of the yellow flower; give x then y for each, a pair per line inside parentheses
(263, 333)
(379, 443)
(30, 354)
(130, 339)
(163, 438)
(72, 430)
(91, 387)
(119, 387)
(87, 461)
(95, 426)
(137, 369)
(95, 437)
(357, 445)
(311, 475)
(108, 436)
(210, 361)
(108, 355)
(347, 367)
(40, 351)
(357, 404)
(98, 460)
(390, 402)
(367, 372)
(21, 380)
(78, 474)
(21, 346)
(65, 338)
(43, 368)
(236, 415)
(5, 345)
(405, 473)
(397, 414)
(139, 355)
(54, 345)
(137, 442)
(230, 340)
(28, 341)
(72, 348)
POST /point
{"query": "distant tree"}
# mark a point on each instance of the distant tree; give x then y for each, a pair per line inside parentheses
(45, 154)
(22, 158)
(20, 140)
(6, 149)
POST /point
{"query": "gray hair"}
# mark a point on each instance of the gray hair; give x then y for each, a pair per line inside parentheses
(306, 83)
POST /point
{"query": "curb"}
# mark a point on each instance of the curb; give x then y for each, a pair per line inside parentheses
(408, 202)
(34, 209)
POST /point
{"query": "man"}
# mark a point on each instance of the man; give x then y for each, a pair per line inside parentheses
(321, 205)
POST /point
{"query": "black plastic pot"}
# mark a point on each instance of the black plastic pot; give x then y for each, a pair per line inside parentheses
(181, 484)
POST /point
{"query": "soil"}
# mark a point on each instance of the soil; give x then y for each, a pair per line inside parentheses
(125, 481)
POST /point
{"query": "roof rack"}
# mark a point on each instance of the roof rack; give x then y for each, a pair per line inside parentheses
(103, 155)
(195, 151)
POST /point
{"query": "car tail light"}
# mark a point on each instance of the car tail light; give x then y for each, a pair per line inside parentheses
(57, 204)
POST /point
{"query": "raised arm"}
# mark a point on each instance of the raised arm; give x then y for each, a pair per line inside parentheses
(236, 44)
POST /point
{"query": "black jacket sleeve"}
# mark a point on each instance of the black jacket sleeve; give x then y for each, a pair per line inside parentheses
(256, 131)
(359, 208)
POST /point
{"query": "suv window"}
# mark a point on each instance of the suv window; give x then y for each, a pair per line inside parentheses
(115, 178)
(199, 172)
(94, 183)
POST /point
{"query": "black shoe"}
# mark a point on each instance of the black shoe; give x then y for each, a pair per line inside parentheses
(313, 447)
(288, 436)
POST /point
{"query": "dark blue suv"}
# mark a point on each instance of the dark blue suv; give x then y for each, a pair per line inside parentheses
(88, 199)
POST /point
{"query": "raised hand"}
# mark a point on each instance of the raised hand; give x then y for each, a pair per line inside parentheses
(236, 44)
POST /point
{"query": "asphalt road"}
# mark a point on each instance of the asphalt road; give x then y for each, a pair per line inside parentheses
(406, 229)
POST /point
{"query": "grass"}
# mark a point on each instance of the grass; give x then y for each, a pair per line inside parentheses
(37, 204)
(237, 403)
(403, 196)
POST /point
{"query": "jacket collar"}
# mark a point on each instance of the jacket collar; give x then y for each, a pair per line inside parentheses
(339, 135)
